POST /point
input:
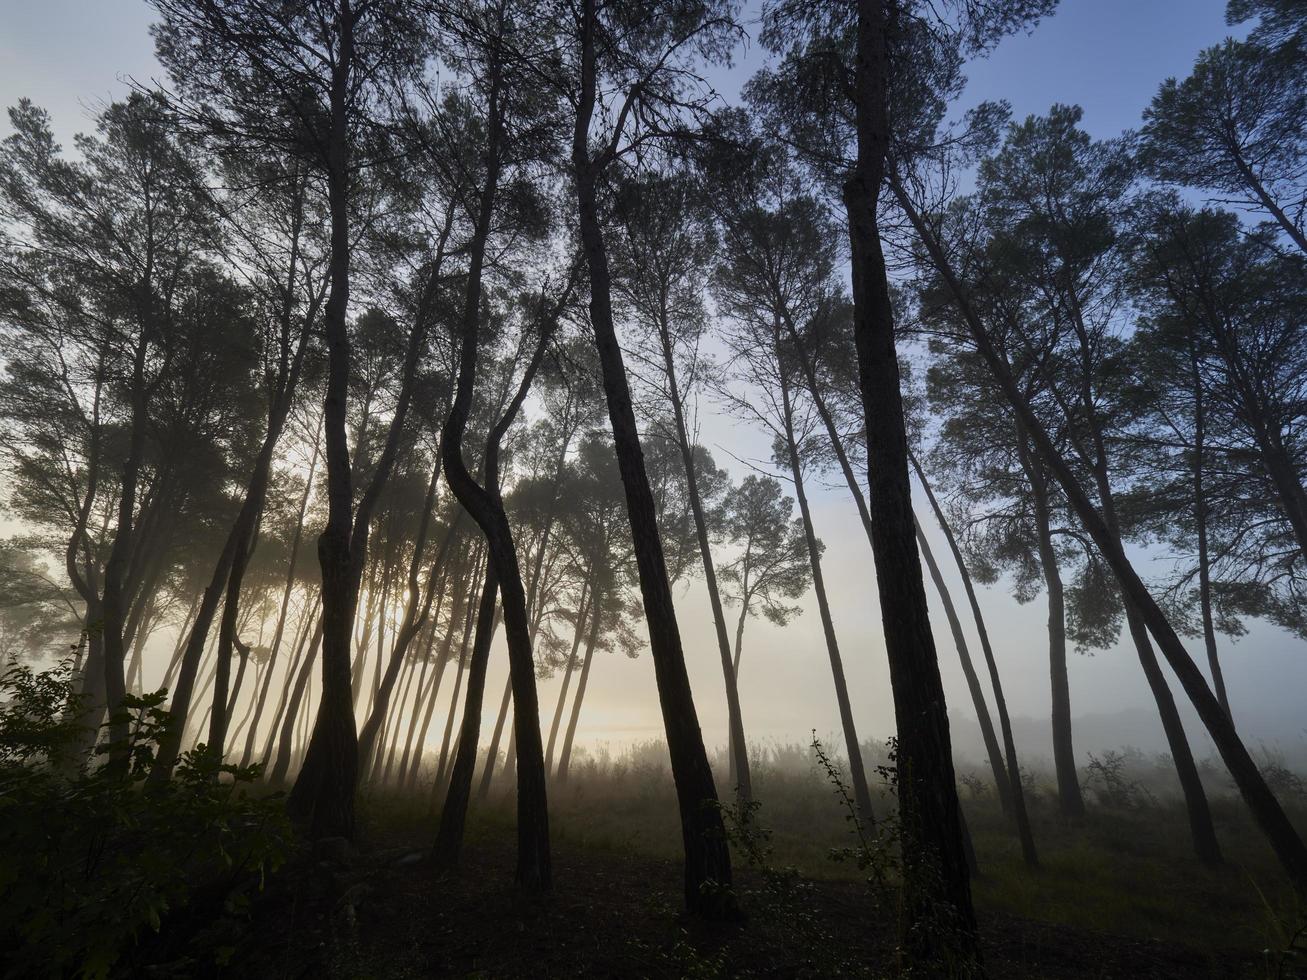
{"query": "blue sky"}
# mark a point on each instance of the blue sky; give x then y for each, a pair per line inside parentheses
(1108, 56)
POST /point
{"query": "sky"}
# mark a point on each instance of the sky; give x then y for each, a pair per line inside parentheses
(1109, 56)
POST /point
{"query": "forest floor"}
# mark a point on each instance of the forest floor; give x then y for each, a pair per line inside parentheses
(1116, 897)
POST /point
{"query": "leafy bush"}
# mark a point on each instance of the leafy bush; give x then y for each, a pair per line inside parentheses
(90, 854)
(1108, 777)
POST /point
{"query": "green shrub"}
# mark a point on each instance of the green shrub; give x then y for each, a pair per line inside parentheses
(90, 855)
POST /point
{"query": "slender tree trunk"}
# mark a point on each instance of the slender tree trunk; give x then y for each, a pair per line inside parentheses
(861, 791)
(707, 858)
(484, 504)
(453, 816)
(307, 618)
(322, 799)
(1200, 525)
(936, 878)
(1070, 799)
(1262, 803)
(1018, 793)
(582, 611)
(281, 766)
(737, 747)
(565, 760)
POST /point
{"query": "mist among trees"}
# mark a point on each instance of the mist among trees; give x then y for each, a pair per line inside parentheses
(363, 358)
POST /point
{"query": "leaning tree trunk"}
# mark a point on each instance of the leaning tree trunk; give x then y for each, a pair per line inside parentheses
(277, 776)
(453, 816)
(1070, 799)
(486, 507)
(736, 745)
(1018, 793)
(1284, 839)
(582, 612)
(707, 857)
(565, 759)
(936, 878)
(861, 791)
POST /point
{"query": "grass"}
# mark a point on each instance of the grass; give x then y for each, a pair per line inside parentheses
(1123, 871)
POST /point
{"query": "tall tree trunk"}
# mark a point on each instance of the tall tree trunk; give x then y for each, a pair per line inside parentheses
(1070, 799)
(308, 621)
(1200, 817)
(1017, 791)
(453, 816)
(936, 878)
(707, 858)
(1266, 810)
(281, 766)
(1201, 513)
(565, 759)
(861, 791)
(322, 799)
(582, 611)
(736, 744)
(486, 507)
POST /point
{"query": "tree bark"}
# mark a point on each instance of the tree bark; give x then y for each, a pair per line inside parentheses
(322, 799)
(936, 878)
(707, 858)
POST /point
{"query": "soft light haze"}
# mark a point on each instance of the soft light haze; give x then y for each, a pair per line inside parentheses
(1107, 55)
